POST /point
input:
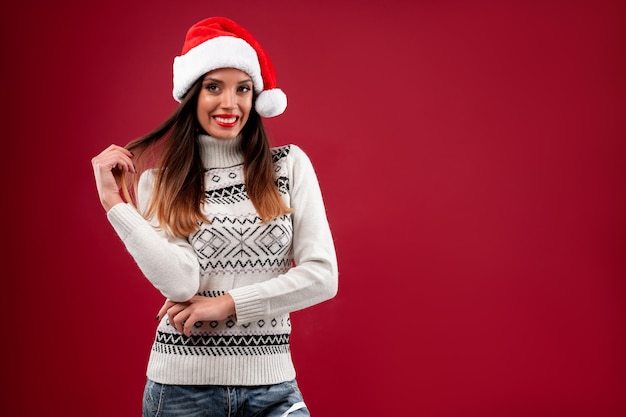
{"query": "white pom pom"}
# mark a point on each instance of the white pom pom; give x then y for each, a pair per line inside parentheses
(271, 103)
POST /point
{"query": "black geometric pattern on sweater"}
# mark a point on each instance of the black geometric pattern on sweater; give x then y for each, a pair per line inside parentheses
(221, 351)
(280, 152)
(283, 185)
(237, 193)
(240, 221)
(274, 322)
(260, 246)
(177, 339)
(258, 265)
(211, 293)
(277, 154)
(220, 345)
(227, 195)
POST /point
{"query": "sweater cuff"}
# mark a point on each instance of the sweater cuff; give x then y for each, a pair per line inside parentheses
(247, 303)
(124, 218)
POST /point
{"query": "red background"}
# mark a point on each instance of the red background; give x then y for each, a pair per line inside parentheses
(471, 155)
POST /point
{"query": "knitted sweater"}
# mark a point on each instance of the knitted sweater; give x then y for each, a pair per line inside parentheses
(269, 269)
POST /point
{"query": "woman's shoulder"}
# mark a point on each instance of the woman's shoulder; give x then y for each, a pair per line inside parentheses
(293, 158)
(289, 151)
(146, 182)
(147, 176)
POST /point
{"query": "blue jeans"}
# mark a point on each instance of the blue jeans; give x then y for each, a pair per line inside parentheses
(279, 400)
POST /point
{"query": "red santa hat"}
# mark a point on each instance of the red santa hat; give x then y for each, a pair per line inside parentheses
(218, 42)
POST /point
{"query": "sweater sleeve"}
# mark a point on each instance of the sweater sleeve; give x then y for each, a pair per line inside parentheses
(169, 263)
(314, 278)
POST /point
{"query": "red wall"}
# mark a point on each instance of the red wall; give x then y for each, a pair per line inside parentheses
(472, 157)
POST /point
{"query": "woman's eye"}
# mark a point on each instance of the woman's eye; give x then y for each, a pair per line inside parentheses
(244, 88)
(212, 87)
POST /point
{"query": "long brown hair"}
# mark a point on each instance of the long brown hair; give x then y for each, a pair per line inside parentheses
(178, 195)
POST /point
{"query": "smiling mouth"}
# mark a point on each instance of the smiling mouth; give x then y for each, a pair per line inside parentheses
(226, 120)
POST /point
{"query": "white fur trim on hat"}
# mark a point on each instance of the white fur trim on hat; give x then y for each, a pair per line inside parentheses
(219, 52)
(271, 103)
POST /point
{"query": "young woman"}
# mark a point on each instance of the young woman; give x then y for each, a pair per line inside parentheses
(232, 232)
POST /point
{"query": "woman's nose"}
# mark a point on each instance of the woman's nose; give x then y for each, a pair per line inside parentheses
(229, 100)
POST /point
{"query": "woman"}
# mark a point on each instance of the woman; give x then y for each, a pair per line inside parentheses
(232, 232)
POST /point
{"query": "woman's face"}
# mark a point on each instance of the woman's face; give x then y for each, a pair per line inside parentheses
(224, 102)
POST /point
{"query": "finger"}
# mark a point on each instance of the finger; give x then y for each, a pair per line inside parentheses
(173, 311)
(120, 149)
(125, 163)
(176, 316)
(190, 323)
(179, 321)
(164, 309)
(114, 158)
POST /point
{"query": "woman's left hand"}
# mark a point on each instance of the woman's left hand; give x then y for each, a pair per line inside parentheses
(183, 316)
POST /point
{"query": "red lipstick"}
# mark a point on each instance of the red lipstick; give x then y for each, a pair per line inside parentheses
(226, 120)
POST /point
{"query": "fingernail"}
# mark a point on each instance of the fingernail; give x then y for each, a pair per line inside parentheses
(157, 317)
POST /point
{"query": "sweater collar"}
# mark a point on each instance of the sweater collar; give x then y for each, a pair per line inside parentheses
(220, 153)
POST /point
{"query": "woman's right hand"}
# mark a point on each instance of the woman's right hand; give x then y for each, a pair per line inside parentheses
(108, 166)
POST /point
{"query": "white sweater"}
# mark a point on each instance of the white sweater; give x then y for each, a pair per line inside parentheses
(269, 269)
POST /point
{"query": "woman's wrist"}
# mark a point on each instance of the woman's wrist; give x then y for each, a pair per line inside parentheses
(110, 200)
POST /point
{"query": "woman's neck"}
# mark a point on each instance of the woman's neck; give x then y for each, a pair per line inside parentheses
(220, 153)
